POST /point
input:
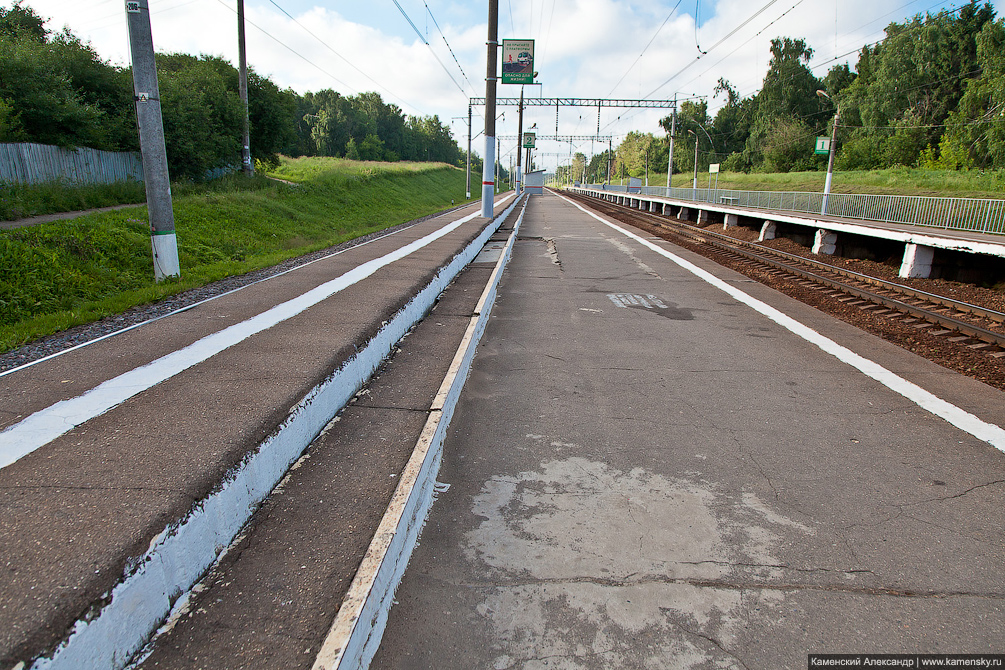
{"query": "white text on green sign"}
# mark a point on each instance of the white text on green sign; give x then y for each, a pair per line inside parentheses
(518, 62)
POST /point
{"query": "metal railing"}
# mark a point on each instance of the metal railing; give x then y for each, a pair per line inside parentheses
(972, 214)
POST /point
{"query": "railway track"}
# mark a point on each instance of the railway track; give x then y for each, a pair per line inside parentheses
(963, 324)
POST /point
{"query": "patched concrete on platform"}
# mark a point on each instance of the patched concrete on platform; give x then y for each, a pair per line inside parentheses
(628, 251)
(596, 567)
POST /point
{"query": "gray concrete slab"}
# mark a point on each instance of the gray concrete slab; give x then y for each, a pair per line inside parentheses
(688, 484)
(103, 492)
(272, 599)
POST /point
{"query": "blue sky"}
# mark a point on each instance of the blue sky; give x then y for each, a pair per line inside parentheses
(584, 48)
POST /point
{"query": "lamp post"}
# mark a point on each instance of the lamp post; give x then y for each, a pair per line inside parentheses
(830, 156)
(694, 184)
(670, 135)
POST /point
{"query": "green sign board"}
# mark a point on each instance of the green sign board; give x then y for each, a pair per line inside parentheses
(528, 140)
(823, 146)
(518, 62)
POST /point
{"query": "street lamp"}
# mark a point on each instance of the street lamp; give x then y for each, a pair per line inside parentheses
(694, 184)
(830, 158)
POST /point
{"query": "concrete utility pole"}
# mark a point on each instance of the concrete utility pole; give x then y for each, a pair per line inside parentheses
(469, 154)
(246, 165)
(151, 129)
(519, 142)
(673, 131)
(488, 165)
(694, 184)
(610, 153)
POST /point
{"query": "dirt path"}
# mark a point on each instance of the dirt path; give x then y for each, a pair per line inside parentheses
(46, 218)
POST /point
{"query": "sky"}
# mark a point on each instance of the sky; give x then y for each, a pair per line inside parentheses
(429, 56)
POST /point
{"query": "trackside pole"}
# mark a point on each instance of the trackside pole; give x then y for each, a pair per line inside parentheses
(468, 186)
(519, 145)
(151, 128)
(488, 164)
(247, 166)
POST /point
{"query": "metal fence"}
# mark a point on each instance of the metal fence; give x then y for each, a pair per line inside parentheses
(28, 163)
(983, 216)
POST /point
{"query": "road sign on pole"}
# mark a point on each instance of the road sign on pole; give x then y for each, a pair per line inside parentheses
(518, 61)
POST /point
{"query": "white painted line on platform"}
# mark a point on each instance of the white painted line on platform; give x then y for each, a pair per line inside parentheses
(355, 634)
(47, 424)
(965, 421)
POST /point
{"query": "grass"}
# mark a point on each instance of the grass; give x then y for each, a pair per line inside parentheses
(892, 181)
(65, 273)
(19, 201)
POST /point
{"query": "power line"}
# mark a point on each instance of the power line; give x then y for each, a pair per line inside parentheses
(346, 60)
(646, 48)
(435, 23)
(758, 33)
(293, 51)
(426, 42)
(712, 48)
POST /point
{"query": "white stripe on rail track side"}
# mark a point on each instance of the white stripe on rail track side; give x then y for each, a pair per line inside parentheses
(965, 421)
(47, 424)
(359, 625)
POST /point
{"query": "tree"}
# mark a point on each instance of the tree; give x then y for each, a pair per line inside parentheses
(22, 22)
(202, 115)
(578, 166)
(272, 114)
(787, 101)
(909, 84)
(976, 129)
(731, 125)
(692, 121)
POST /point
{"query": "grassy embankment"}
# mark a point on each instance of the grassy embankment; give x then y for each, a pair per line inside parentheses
(65, 273)
(892, 181)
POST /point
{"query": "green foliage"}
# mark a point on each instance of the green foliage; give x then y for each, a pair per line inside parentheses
(787, 145)
(19, 201)
(639, 152)
(788, 111)
(932, 93)
(364, 127)
(22, 22)
(64, 273)
(44, 105)
(55, 90)
(909, 85)
(202, 114)
(692, 125)
(976, 129)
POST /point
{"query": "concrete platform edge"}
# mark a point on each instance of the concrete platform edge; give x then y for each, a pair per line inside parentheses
(359, 625)
(120, 624)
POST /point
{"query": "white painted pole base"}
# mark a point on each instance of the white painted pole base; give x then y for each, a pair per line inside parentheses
(165, 248)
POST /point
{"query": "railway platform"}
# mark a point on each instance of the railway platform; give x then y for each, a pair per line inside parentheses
(654, 462)
(924, 246)
(657, 462)
(129, 464)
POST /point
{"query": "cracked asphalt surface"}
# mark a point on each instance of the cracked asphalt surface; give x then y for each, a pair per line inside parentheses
(688, 485)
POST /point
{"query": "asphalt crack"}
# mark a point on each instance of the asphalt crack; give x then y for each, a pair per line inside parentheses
(734, 585)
